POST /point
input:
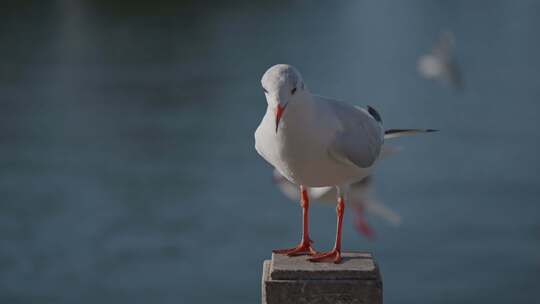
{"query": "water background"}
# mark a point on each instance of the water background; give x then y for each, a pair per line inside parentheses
(128, 173)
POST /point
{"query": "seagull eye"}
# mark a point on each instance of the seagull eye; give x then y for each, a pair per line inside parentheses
(264, 90)
(293, 91)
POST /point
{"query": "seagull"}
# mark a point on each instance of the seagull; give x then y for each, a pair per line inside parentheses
(441, 64)
(315, 141)
(360, 200)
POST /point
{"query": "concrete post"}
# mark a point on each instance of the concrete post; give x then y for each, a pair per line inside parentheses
(295, 280)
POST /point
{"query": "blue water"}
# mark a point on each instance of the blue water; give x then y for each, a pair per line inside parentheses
(128, 173)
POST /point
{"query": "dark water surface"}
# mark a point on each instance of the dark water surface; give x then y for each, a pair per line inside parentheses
(128, 173)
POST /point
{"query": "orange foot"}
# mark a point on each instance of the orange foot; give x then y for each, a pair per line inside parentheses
(302, 248)
(334, 256)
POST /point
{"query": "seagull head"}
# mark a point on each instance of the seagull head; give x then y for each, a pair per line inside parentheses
(282, 84)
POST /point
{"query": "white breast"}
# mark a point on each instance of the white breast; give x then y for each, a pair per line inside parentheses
(299, 150)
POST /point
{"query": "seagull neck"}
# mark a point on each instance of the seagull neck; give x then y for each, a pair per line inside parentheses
(301, 102)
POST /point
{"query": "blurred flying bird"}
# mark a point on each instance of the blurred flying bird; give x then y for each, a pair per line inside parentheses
(360, 200)
(441, 64)
(316, 141)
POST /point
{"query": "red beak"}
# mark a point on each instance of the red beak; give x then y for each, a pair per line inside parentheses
(279, 113)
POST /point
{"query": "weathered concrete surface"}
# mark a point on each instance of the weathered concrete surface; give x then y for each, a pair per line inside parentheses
(354, 266)
(296, 280)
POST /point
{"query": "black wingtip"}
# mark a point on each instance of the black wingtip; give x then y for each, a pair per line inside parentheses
(412, 131)
(374, 114)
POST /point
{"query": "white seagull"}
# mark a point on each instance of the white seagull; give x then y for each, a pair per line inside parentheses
(316, 141)
(361, 200)
(441, 64)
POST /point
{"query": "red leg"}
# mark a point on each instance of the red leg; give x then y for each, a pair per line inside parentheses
(333, 255)
(362, 225)
(305, 244)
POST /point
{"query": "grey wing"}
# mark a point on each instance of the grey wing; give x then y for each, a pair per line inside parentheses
(454, 75)
(377, 208)
(360, 137)
(445, 46)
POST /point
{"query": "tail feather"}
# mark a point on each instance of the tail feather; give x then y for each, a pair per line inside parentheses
(393, 133)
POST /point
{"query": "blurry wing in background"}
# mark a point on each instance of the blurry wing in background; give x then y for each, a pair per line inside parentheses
(291, 191)
(443, 49)
(375, 207)
(323, 194)
(454, 76)
(387, 151)
(360, 201)
(441, 64)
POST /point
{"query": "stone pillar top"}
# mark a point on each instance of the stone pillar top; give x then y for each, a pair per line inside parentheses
(354, 266)
(356, 280)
